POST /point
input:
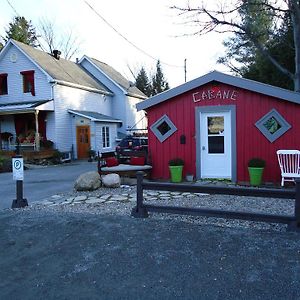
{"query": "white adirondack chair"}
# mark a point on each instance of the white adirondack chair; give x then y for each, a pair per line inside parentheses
(289, 163)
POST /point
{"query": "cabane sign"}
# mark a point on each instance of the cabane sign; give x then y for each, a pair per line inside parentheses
(213, 94)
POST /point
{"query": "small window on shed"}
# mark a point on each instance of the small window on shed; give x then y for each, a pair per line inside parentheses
(272, 125)
(163, 128)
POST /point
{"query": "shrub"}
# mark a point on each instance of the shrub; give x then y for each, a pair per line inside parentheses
(256, 163)
(176, 162)
(47, 144)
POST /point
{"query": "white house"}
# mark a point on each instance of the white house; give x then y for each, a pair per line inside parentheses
(75, 105)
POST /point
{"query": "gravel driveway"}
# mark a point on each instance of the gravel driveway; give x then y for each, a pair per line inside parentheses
(97, 251)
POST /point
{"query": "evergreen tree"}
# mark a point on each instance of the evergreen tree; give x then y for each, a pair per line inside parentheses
(21, 30)
(159, 83)
(142, 82)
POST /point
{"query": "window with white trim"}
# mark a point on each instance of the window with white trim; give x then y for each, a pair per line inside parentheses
(105, 137)
(163, 128)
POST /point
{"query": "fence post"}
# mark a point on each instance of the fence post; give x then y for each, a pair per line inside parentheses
(139, 211)
(295, 225)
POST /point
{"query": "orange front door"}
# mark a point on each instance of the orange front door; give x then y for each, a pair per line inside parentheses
(83, 141)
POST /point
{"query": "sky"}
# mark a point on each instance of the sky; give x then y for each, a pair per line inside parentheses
(150, 25)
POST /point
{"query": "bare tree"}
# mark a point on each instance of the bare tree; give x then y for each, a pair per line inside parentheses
(65, 41)
(224, 17)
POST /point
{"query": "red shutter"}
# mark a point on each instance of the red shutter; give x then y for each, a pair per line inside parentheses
(2, 76)
(29, 75)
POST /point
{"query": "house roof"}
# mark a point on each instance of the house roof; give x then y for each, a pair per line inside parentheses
(62, 70)
(94, 116)
(21, 107)
(118, 78)
(243, 83)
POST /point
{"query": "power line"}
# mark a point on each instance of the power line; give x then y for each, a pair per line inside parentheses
(126, 39)
(12, 7)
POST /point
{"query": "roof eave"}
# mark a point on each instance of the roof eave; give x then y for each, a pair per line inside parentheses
(247, 84)
(86, 88)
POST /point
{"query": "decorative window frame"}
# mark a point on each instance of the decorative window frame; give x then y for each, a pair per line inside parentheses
(157, 133)
(106, 139)
(285, 126)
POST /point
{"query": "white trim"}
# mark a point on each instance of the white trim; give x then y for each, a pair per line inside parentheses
(243, 83)
(93, 119)
(79, 86)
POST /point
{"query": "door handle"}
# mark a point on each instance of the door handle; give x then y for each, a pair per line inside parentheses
(203, 147)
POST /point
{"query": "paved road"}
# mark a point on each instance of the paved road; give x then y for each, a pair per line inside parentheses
(43, 182)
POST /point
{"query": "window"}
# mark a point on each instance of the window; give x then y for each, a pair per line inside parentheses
(3, 84)
(105, 137)
(215, 134)
(28, 82)
(272, 125)
(163, 128)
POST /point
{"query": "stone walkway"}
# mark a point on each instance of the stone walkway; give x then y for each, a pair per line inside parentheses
(112, 197)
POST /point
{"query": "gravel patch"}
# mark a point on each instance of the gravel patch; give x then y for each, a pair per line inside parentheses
(120, 201)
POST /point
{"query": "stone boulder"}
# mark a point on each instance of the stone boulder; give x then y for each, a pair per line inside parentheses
(88, 181)
(111, 180)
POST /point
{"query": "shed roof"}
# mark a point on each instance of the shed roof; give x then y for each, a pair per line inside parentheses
(118, 78)
(94, 116)
(61, 70)
(239, 82)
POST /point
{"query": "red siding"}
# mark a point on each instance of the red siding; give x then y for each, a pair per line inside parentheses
(250, 107)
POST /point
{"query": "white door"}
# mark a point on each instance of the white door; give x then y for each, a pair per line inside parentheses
(215, 145)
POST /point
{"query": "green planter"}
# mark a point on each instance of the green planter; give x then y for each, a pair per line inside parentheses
(255, 175)
(176, 173)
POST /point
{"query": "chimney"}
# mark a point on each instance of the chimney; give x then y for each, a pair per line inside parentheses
(56, 54)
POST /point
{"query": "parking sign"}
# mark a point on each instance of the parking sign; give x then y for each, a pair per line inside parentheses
(18, 168)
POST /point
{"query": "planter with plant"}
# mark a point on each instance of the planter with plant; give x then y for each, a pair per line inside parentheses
(176, 167)
(91, 154)
(256, 168)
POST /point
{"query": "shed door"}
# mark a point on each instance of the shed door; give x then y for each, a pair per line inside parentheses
(83, 141)
(215, 145)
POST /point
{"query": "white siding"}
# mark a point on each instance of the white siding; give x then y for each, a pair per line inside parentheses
(72, 98)
(8, 124)
(15, 79)
(135, 119)
(118, 100)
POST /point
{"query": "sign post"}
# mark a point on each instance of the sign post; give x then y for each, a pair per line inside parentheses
(18, 175)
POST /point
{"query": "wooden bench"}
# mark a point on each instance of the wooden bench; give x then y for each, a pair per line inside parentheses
(125, 170)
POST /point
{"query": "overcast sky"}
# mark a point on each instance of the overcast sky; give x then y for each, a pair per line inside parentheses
(150, 25)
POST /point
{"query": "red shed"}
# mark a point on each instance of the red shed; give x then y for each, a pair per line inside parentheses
(217, 122)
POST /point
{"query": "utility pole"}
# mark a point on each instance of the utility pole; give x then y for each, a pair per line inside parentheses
(185, 70)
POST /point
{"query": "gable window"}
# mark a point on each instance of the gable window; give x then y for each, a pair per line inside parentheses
(163, 128)
(105, 137)
(28, 82)
(3, 84)
(272, 125)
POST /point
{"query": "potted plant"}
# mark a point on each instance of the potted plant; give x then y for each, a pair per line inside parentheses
(256, 168)
(176, 167)
(91, 154)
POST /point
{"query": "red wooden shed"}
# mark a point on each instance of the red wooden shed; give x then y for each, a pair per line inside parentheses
(217, 122)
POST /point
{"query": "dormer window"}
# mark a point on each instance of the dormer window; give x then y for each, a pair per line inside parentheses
(3, 84)
(28, 82)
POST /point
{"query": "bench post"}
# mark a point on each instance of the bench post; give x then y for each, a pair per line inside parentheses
(139, 211)
(295, 225)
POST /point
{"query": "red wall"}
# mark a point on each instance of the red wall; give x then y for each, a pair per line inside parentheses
(250, 107)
